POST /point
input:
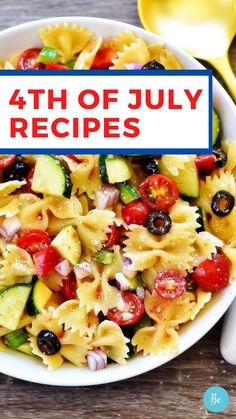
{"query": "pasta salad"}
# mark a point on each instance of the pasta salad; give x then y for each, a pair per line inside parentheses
(103, 257)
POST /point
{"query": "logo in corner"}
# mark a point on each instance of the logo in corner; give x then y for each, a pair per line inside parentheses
(216, 399)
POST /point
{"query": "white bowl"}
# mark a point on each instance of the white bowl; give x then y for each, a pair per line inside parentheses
(27, 368)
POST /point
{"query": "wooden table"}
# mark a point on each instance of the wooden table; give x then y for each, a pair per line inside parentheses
(172, 391)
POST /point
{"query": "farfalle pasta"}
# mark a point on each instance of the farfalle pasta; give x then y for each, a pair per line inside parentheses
(69, 40)
(9, 206)
(208, 187)
(174, 163)
(98, 295)
(6, 188)
(93, 227)
(15, 266)
(136, 52)
(111, 338)
(88, 54)
(76, 318)
(230, 148)
(172, 249)
(103, 257)
(120, 41)
(84, 174)
(162, 337)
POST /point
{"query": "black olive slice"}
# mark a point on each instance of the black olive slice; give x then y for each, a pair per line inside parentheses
(191, 286)
(222, 203)
(221, 157)
(159, 223)
(153, 65)
(150, 166)
(48, 343)
(17, 171)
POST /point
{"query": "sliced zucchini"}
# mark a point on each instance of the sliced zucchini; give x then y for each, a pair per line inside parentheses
(118, 169)
(38, 298)
(102, 168)
(201, 219)
(68, 244)
(26, 349)
(16, 338)
(187, 179)
(50, 177)
(12, 304)
(215, 126)
(128, 193)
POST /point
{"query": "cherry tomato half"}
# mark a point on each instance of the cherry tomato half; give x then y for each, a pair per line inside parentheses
(55, 66)
(159, 192)
(170, 284)
(112, 237)
(103, 59)
(6, 160)
(212, 274)
(135, 212)
(28, 60)
(46, 260)
(69, 287)
(133, 311)
(34, 241)
(205, 163)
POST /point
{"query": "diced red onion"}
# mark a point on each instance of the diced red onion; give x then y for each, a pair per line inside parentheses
(92, 362)
(122, 282)
(128, 272)
(102, 354)
(63, 268)
(140, 291)
(10, 227)
(97, 360)
(127, 262)
(82, 270)
(107, 197)
(133, 66)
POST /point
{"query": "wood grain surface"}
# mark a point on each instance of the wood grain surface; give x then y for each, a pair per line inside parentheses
(172, 391)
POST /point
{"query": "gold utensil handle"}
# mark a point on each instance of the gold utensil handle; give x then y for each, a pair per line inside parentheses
(223, 66)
